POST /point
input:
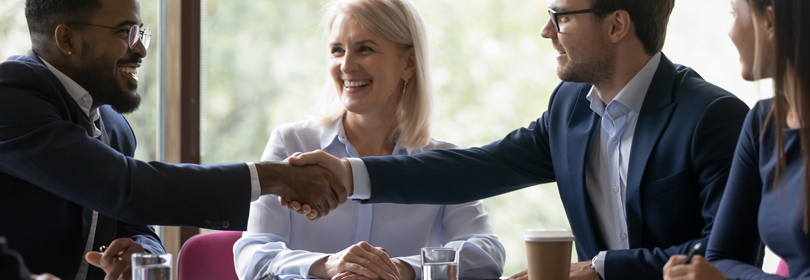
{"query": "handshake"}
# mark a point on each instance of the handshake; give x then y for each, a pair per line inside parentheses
(312, 183)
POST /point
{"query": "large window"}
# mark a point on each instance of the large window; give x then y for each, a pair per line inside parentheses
(264, 63)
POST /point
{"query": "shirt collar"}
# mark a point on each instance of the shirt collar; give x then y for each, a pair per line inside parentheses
(334, 133)
(77, 92)
(633, 94)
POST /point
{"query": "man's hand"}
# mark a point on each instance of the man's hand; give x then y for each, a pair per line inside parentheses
(115, 261)
(697, 269)
(583, 271)
(311, 184)
(361, 259)
(339, 167)
(523, 275)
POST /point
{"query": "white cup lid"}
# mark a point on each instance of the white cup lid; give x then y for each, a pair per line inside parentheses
(548, 235)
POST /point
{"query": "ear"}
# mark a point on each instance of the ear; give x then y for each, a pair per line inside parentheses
(619, 24)
(767, 24)
(410, 63)
(65, 41)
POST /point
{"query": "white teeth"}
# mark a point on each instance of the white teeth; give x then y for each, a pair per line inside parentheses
(129, 70)
(352, 84)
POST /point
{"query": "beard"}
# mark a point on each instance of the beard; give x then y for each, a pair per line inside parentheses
(598, 68)
(94, 75)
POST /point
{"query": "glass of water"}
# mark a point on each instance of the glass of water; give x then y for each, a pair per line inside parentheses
(439, 263)
(151, 267)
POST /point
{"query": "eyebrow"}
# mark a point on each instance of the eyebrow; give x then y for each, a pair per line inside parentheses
(128, 23)
(366, 42)
(370, 42)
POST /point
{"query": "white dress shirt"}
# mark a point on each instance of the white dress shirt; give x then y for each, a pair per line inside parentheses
(283, 244)
(605, 172)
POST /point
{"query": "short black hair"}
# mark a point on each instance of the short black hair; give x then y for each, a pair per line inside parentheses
(44, 15)
(650, 18)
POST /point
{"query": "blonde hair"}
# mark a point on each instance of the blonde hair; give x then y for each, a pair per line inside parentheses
(398, 21)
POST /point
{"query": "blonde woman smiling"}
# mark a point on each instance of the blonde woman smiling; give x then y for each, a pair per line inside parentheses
(380, 104)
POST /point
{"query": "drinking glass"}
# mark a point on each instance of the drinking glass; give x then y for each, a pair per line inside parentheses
(439, 263)
(151, 266)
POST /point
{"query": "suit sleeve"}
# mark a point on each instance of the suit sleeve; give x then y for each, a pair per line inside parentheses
(520, 160)
(143, 235)
(39, 146)
(712, 149)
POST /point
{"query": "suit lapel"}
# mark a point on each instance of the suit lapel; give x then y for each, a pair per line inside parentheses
(77, 115)
(655, 115)
(581, 126)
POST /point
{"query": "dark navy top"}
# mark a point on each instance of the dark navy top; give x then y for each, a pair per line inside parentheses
(755, 210)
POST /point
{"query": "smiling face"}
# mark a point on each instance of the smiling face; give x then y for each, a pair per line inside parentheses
(584, 54)
(105, 65)
(367, 69)
(744, 36)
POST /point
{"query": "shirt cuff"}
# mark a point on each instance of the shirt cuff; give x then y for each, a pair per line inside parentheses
(255, 187)
(600, 264)
(362, 182)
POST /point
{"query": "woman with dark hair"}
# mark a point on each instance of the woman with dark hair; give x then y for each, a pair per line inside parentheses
(767, 198)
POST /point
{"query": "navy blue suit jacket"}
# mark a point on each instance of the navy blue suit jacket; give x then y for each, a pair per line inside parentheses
(53, 174)
(682, 150)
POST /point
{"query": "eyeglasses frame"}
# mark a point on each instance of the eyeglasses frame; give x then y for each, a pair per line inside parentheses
(143, 35)
(554, 14)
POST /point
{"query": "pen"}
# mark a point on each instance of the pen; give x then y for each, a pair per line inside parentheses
(691, 253)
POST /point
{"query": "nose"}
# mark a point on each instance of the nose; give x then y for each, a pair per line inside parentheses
(139, 49)
(549, 32)
(349, 63)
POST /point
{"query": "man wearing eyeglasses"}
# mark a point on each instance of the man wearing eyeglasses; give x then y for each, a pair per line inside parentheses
(68, 182)
(640, 147)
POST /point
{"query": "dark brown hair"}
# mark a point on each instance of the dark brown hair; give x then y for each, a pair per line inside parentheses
(650, 18)
(792, 70)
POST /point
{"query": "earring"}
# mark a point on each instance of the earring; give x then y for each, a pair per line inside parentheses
(70, 52)
(406, 82)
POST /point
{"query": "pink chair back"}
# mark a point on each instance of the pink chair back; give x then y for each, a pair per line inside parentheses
(208, 256)
(782, 269)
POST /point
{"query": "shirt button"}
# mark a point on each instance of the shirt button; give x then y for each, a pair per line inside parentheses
(616, 189)
(615, 141)
(624, 236)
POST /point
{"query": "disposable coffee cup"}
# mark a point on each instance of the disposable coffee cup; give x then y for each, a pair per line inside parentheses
(548, 252)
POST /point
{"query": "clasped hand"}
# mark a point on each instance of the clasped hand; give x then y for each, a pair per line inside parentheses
(340, 168)
(361, 261)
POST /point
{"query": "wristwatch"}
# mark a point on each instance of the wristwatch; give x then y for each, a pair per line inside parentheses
(593, 265)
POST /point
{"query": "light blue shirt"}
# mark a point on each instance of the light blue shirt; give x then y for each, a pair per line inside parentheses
(283, 244)
(606, 169)
(609, 156)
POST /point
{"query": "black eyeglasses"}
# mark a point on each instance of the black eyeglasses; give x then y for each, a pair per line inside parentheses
(554, 14)
(135, 35)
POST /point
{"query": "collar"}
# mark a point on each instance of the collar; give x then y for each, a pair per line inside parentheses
(633, 93)
(334, 133)
(79, 94)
